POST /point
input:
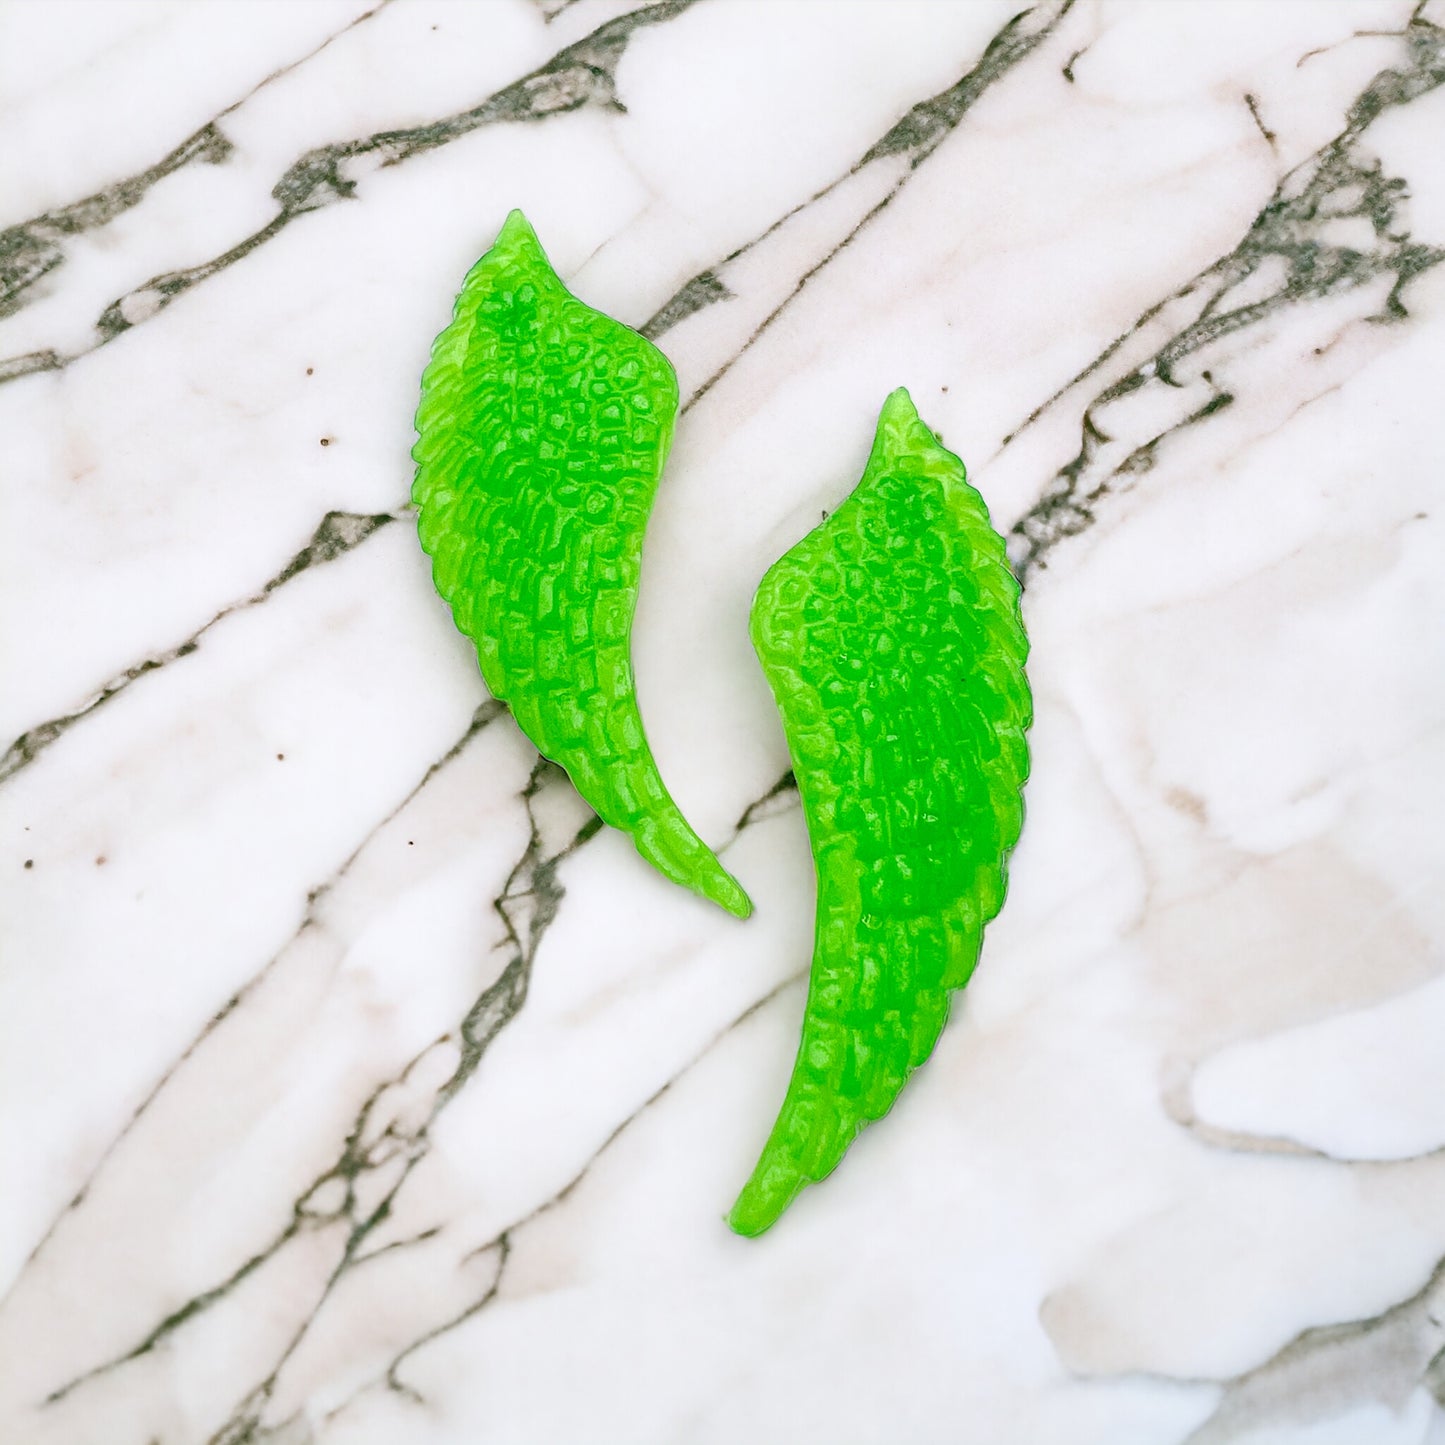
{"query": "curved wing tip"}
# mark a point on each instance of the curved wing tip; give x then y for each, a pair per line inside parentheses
(743, 1229)
(732, 896)
(696, 868)
(765, 1198)
(751, 1216)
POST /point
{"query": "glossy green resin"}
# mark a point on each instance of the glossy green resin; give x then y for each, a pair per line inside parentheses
(892, 639)
(543, 428)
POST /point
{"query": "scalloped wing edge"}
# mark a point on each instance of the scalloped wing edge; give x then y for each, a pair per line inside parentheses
(688, 862)
(776, 1179)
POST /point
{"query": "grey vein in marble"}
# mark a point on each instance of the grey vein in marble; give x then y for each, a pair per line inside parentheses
(33, 248)
(336, 534)
(1328, 1369)
(578, 75)
(358, 1189)
(351, 1213)
(913, 139)
(1291, 233)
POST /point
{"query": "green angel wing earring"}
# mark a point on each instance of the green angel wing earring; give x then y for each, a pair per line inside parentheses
(892, 639)
(542, 432)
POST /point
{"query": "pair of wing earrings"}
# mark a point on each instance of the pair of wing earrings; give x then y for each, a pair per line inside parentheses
(890, 635)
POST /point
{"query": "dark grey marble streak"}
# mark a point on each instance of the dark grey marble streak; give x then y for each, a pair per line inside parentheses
(579, 75)
(1371, 1358)
(527, 905)
(1288, 239)
(916, 136)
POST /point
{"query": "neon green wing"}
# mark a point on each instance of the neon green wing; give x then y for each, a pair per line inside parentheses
(892, 639)
(542, 432)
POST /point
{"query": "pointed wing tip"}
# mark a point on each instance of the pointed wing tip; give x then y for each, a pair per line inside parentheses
(902, 430)
(669, 843)
(516, 225)
(898, 406)
(900, 421)
(708, 879)
(516, 243)
(712, 882)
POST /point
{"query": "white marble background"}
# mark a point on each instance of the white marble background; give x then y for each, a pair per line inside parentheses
(353, 1091)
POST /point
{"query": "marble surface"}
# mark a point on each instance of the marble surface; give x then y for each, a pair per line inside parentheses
(355, 1089)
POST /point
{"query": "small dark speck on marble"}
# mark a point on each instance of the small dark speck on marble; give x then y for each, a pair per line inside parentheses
(101, 861)
(30, 862)
(1190, 804)
(326, 441)
(280, 757)
(310, 371)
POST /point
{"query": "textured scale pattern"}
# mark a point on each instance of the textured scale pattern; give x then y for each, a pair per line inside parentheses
(542, 432)
(892, 639)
